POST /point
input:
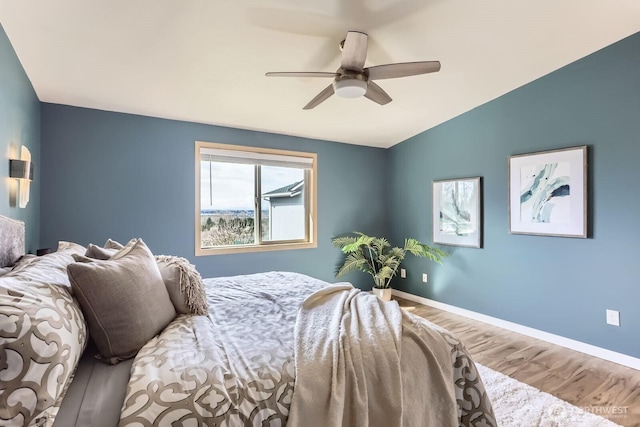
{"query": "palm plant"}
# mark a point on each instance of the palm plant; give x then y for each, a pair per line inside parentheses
(374, 255)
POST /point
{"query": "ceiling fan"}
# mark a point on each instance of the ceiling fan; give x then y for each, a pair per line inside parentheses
(352, 80)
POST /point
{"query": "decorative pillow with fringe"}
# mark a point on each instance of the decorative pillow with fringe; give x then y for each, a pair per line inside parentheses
(184, 285)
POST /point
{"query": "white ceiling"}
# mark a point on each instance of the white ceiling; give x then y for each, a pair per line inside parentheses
(204, 60)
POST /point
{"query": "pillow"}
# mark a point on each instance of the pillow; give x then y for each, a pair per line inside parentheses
(124, 250)
(70, 246)
(183, 282)
(23, 262)
(96, 252)
(56, 260)
(42, 335)
(124, 301)
(111, 247)
(184, 285)
(112, 244)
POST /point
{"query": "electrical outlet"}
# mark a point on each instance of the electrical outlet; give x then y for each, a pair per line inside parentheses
(613, 317)
(425, 277)
(403, 273)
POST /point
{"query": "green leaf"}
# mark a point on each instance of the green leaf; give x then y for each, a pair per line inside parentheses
(379, 244)
(341, 241)
(397, 253)
(353, 262)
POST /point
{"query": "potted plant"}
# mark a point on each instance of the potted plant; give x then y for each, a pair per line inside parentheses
(374, 255)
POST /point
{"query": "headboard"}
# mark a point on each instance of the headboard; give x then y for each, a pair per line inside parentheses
(11, 240)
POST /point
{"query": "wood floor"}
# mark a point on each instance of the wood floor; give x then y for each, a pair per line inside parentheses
(599, 386)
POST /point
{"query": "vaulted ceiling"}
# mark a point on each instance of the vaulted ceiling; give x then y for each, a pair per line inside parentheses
(205, 60)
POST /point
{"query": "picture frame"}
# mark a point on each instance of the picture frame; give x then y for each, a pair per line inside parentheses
(548, 193)
(457, 216)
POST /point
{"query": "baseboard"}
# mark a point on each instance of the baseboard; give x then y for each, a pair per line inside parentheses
(592, 350)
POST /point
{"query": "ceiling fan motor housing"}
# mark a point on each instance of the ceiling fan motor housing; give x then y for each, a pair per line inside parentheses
(350, 84)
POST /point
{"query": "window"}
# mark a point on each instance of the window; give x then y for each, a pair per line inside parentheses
(253, 199)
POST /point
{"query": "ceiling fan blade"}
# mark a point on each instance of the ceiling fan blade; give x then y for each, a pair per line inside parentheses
(300, 74)
(354, 51)
(321, 97)
(377, 94)
(402, 69)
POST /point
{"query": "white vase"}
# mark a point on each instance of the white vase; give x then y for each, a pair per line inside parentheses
(383, 293)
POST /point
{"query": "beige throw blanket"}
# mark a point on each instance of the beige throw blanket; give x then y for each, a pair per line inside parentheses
(363, 362)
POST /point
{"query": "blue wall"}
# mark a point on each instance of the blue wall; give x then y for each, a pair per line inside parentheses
(558, 285)
(122, 176)
(19, 125)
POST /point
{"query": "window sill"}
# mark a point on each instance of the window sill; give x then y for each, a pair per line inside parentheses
(262, 248)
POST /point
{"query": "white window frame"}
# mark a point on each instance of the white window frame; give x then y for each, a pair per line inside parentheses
(239, 152)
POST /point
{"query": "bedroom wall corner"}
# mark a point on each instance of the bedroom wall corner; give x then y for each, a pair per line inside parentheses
(19, 126)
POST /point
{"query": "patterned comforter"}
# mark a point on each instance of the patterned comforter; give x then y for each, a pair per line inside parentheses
(236, 366)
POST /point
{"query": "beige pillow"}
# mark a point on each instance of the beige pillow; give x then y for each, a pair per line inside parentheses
(112, 244)
(70, 246)
(96, 252)
(184, 285)
(111, 247)
(124, 301)
(124, 250)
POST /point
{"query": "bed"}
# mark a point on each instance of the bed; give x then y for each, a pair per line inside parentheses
(271, 349)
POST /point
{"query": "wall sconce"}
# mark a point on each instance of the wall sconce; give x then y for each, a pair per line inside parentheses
(22, 170)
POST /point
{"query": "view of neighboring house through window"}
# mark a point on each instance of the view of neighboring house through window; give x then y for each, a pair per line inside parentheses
(253, 199)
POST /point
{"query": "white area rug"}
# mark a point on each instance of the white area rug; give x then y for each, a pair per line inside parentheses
(517, 404)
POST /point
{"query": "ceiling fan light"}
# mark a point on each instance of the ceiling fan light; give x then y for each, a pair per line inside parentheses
(350, 88)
